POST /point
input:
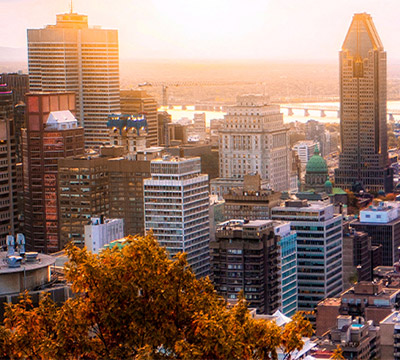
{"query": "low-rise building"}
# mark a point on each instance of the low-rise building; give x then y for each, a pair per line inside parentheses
(357, 338)
(102, 231)
(250, 201)
(371, 300)
(390, 336)
(305, 150)
(326, 315)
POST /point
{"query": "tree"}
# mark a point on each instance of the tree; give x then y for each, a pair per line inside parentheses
(135, 303)
(354, 207)
(337, 354)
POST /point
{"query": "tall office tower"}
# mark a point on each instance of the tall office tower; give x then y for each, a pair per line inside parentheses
(199, 125)
(70, 56)
(8, 179)
(246, 255)
(176, 208)
(139, 102)
(82, 193)
(18, 83)
(164, 119)
(255, 140)
(363, 129)
(316, 131)
(126, 178)
(51, 133)
(103, 184)
(319, 249)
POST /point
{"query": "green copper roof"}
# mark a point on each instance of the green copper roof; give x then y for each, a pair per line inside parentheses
(316, 164)
(338, 191)
(328, 183)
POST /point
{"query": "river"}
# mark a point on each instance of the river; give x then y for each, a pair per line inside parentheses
(298, 115)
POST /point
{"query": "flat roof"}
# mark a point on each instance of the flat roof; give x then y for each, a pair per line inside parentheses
(41, 262)
(392, 318)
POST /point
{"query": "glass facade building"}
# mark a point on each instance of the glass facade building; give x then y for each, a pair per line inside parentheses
(319, 249)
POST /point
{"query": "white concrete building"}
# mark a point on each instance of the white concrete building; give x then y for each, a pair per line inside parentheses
(305, 150)
(319, 249)
(384, 213)
(176, 202)
(101, 232)
(254, 139)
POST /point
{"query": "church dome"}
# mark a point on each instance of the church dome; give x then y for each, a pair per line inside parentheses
(316, 164)
(328, 183)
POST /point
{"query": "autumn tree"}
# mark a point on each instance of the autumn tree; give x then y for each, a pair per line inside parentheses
(337, 354)
(136, 303)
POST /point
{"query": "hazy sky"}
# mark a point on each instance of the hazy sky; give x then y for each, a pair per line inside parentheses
(290, 30)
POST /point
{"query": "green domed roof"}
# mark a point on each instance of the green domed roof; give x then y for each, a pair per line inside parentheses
(328, 183)
(316, 164)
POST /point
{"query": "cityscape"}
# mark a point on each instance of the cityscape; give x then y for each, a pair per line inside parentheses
(180, 208)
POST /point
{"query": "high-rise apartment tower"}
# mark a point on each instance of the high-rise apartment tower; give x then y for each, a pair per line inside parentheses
(363, 128)
(70, 56)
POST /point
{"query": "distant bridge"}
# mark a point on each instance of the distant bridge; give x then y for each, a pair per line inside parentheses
(323, 109)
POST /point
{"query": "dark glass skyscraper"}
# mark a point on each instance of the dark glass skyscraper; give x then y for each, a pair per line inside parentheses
(363, 128)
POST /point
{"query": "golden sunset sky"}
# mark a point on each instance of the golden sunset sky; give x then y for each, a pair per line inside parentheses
(290, 30)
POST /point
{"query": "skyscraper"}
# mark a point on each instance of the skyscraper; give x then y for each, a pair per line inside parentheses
(70, 56)
(8, 178)
(255, 140)
(176, 208)
(363, 157)
(51, 133)
(319, 249)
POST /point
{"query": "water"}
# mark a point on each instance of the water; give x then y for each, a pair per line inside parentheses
(298, 115)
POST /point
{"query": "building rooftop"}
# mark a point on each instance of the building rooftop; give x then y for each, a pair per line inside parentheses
(303, 204)
(306, 142)
(41, 262)
(317, 164)
(393, 318)
(61, 120)
(239, 224)
(174, 159)
(330, 302)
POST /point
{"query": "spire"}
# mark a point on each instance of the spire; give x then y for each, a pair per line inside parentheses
(71, 7)
(316, 150)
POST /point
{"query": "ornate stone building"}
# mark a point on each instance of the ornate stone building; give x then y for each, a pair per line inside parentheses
(316, 173)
